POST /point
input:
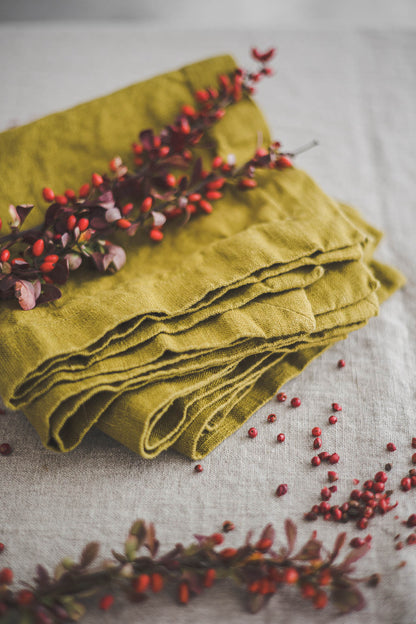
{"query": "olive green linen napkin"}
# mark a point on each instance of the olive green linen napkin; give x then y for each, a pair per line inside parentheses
(194, 334)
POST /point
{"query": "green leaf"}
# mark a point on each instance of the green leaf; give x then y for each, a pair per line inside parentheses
(131, 546)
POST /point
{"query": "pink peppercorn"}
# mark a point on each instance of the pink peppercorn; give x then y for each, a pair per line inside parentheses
(317, 443)
(198, 468)
(333, 488)
(281, 397)
(411, 539)
(295, 402)
(368, 485)
(325, 494)
(316, 431)
(362, 523)
(324, 455)
(252, 432)
(5, 449)
(391, 447)
(341, 363)
(411, 521)
(332, 419)
(324, 507)
(337, 514)
(380, 477)
(282, 489)
(336, 407)
(414, 458)
(413, 442)
(378, 487)
(334, 458)
(281, 437)
(315, 461)
(357, 542)
(355, 495)
(271, 418)
(332, 476)
(405, 484)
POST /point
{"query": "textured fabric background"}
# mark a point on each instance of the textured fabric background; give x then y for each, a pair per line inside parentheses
(355, 92)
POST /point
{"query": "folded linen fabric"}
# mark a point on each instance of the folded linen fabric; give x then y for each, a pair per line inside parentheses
(196, 333)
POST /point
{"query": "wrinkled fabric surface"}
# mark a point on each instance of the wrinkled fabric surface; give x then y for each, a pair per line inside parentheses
(195, 334)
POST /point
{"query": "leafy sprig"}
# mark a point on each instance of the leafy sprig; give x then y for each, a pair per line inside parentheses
(259, 569)
(167, 183)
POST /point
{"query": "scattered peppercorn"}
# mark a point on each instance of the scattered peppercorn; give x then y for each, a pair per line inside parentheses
(281, 397)
(315, 461)
(391, 447)
(281, 437)
(282, 489)
(341, 363)
(228, 526)
(271, 418)
(198, 468)
(295, 402)
(316, 431)
(252, 432)
(336, 407)
(332, 419)
(5, 449)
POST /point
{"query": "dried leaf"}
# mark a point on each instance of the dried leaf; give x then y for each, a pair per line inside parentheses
(60, 273)
(114, 259)
(256, 602)
(347, 599)
(339, 543)
(25, 293)
(131, 546)
(354, 556)
(291, 532)
(89, 553)
(49, 293)
(151, 542)
(196, 172)
(146, 139)
(14, 216)
(23, 210)
(121, 558)
(42, 577)
(311, 550)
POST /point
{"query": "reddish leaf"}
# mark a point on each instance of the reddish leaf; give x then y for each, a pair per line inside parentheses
(23, 210)
(196, 172)
(354, 556)
(89, 554)
(49, 293)
(146, 138)
(339, 543)
(291, 532)
(311, 550)
(347, 599)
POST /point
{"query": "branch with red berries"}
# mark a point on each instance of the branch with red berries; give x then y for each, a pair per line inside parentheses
(168, 182)
(256, 567)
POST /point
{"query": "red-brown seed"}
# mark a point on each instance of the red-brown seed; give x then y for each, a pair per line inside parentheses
(332, 419)
(316, 431)
(252, 432)
(5, 449)
(334, 458)
(295, 402)
(282, 489)
(6, 576)
(336, 407)
(317, 443)
(357, 542)
(71, 222)
(413, 442)
(38, 247)
(228, 526)
(405, 484)
(380, 477)
(391, 447)
(325, 494)
(217, 538)
(333, 488)
(324, 507)
(106, 602)
(362, 523)
(62, 200)
(411, 539)
(411, 521)
(336, 514)
(414, 458)
(355, 495)
(324, 455)
(198, 468)
(341, 363)
(290, 576)
(281, 437)
(281, 397)
(378, 487)
(332, 476)
(170, 180)
(315, 461)
(271, 418)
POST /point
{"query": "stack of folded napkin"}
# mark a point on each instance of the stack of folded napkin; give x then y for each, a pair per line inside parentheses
(195, 333)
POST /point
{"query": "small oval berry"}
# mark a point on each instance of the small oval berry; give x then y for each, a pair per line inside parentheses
(123, 224)
(283, 162)
(316, 431)
(6, 576)
(5, 449)
(252, 432)
(183, 592)
(84, 190)
(156, 582)
(38, 247)
(334, 458)
(336, 407)
(96, 179)
(83, 224)
(209, 578)
(47, 267)
(281, 397)
(281, 437)
(71, 222)
(271, 418)
(332, 419)
(127, 208)
(341, 363)
(106, 602)
(290, 576)
(405, 484)
(295, 402)
(391, 447)
(317, 443)
(205, 206)
(315, 461)
(282, 489)
(411, 521)
(48, 194)
(146, 204)
(324, 455)
(4, 255)
(141, 583)
(198, 468)
(156, 235)
(170, 180)
(332, 476)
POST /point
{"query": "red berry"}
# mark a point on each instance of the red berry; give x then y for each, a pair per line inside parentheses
(295, 402)
(337, 514)
(62, 200)
(281, 397)
(341, 363)
(183, 592)
(281, 437)
(209, 577)
(83, 224)
(106, 602)
(316, 431)
(228, 526)
(146, 204)
(334, 458)
(188, 110)
(141, 583)
(357, 542)
(84, 190)
(217, 538)
(96, 179)
(336, 407)
(332, 419)
(198, 468)
(123, 224)
(157, 141)
(411, 539)
(5, 449)
(284, 162)
(71, 222)
(406, 484)
(1, 547)
(4, 255)
(247, 183)
(51, 258)
(391, 447)
(282, 489)
(290, 576)
(115, 163)
(205, 206)
(332, 476)
(156, 582)
(170, 180)
(378, 487)
(164, 151)
(315, 461)
(324, 507)
(127, 208)
(38, 247)
(156, 235)
(324, 456)
(263, 544)
(48, 194)
(6, 576)
(317, 443)
(217, 162)
(252, 432)
(194, 197)
(325, 494)
(362, 523)
(355, 495)
(271, 418)
(47, 267)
